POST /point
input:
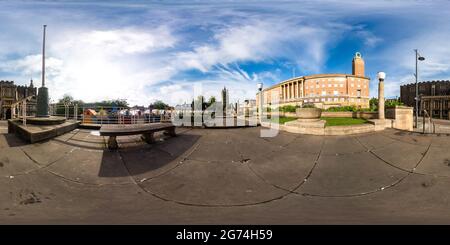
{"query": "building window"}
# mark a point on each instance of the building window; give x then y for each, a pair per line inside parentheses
(324, 92)
(433, 90)
(329, 85)
(335, 93)
(352, 85)
(358, 93)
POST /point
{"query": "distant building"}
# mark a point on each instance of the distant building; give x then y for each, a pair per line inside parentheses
(434, 97)
(323, 90)
(11, 93)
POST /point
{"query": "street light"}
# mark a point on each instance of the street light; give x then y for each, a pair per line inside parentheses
(421, 58)
(260, 87)
(381, 76)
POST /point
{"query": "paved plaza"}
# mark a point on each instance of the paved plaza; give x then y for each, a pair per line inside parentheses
(226, 176)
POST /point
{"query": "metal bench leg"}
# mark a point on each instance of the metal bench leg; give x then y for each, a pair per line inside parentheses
(170, 132)
(148, 137)
(112, 143)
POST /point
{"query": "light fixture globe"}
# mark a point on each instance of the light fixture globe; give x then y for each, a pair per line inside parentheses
(381, 75)
(421, 58)
(260, 86)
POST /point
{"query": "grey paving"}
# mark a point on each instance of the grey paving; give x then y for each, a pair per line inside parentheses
(233, 176)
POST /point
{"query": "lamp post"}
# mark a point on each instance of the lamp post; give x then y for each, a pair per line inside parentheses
(421, 58)
(260, 104)
(381, 76)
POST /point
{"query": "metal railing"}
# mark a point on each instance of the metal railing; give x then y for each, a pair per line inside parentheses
(23, 108)
(99, 115)
(432, 126)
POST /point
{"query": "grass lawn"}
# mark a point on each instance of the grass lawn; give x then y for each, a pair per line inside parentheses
(341, 121)
(282, 120)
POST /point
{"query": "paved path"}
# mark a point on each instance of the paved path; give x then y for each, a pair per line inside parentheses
(207, 176)
(440, 126)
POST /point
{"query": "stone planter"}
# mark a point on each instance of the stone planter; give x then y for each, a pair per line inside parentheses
(308, 113)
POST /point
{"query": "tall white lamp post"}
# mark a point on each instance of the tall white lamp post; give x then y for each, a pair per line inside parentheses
(381, 76)
(260, 104)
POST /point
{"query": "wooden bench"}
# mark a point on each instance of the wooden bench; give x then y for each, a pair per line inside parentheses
(147, 131)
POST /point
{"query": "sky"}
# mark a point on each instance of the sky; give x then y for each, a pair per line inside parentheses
(144, 51)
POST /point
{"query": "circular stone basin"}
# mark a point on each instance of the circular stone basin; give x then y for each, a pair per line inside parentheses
(308, 113)
(52, 120)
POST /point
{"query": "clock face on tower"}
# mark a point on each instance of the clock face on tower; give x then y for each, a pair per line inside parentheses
(358, 54)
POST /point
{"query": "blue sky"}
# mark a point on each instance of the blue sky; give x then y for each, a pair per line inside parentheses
(148, 50)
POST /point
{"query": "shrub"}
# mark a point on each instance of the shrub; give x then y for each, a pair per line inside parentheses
(392, 103)
(342, 108)
(308, 106)
(288, 108)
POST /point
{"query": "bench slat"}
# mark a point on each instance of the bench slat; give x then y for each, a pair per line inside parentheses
(131, 129)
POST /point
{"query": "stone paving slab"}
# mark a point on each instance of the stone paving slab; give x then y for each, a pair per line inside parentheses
(402, 155)
(351, 174)
(92, 167)
(13, 162)
(283, 170)
(374, 140)
(436, 162)
(338, 145)
(212, 184)
(45, 153)
(147, 163)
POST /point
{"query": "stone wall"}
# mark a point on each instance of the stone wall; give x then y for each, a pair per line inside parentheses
(403, 117)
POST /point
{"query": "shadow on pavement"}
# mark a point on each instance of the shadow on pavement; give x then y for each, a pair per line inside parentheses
(146, 159)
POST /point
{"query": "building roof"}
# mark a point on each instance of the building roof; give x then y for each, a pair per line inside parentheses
(433, 81)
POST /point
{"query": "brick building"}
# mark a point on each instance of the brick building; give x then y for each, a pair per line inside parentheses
(11, 93)
(323, 90)
(434, 97)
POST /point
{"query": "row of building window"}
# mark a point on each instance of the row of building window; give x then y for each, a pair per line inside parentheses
(335, 85)
(335, 93)
(334, 99)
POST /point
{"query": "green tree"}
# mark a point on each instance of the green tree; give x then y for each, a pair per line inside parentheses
(373, 104)
(160, 105)
(211, 101)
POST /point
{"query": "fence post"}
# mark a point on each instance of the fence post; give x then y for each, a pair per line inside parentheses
(75, 112)
(24, 110)
(423, 122)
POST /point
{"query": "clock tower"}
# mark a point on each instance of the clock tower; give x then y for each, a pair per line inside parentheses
(358, 65)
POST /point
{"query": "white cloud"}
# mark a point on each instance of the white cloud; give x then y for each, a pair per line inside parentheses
(101, 64)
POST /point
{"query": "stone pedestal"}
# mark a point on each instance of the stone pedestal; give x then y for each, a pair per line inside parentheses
(403, 117)
(42, 102)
